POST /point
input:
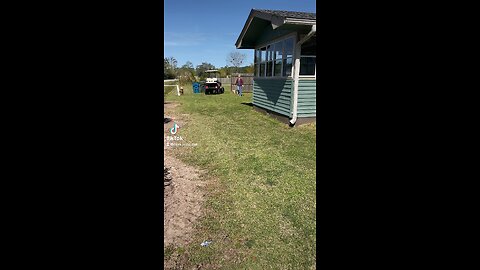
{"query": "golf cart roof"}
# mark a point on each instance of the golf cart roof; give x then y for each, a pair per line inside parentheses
(211, 70)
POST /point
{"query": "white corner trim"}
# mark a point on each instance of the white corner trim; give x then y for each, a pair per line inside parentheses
(296, 71)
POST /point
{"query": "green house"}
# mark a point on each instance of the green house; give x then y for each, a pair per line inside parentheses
(285, 63)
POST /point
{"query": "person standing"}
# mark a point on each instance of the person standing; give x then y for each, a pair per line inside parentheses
(239, 84)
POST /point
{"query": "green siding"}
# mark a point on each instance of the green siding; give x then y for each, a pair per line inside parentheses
(273, 95)
(307, 98)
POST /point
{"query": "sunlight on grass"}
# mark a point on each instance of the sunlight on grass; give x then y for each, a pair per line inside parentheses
(261, 213)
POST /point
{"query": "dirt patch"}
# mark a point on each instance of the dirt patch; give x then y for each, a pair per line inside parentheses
(183, 200)
(183, 197)
(169, 105)
(172, 116)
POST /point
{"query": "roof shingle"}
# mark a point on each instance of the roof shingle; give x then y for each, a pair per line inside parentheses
(290, 14)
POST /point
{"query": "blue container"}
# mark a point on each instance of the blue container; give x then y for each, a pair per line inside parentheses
(196, 87)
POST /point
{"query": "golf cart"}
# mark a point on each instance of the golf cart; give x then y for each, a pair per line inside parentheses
(212, 84)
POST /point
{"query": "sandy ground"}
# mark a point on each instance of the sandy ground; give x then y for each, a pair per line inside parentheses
(184, 197)
(183, 202)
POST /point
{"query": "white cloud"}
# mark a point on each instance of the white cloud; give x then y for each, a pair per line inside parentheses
(183, 39)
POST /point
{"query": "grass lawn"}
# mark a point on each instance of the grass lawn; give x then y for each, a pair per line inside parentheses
(261, 212)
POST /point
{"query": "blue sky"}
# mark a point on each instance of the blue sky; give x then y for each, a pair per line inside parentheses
(206, 31)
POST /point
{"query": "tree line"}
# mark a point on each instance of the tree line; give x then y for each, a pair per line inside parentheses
(188, 73)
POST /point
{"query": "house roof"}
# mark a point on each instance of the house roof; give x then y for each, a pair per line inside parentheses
(290, 14)
(262, 17)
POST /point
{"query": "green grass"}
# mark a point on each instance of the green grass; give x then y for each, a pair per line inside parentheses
(261, 210)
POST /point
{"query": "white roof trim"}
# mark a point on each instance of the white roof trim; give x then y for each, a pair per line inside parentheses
(300, 21)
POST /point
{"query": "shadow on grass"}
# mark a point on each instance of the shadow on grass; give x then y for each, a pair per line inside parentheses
(248, 104)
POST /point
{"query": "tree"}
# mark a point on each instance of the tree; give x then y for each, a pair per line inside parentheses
(188, 65)
(249, 69)
(165, 69)
(186, 74)
(172, 61)
(200, 70)
(236, 59)
(169, 68)
(223, 72)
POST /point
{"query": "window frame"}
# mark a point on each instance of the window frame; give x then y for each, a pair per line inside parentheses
(265, 61)
(275, 60)
(315, 70)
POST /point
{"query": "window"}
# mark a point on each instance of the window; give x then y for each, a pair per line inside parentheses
(308, 58)
(262, 70)
(287, 67)
(275, 60)
(288, 56)
(269, 60)
(262, 57)
(256, 61)
(307, 66)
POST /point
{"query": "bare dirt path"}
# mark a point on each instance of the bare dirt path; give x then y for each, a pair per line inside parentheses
(183, 202)
(184, 197)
